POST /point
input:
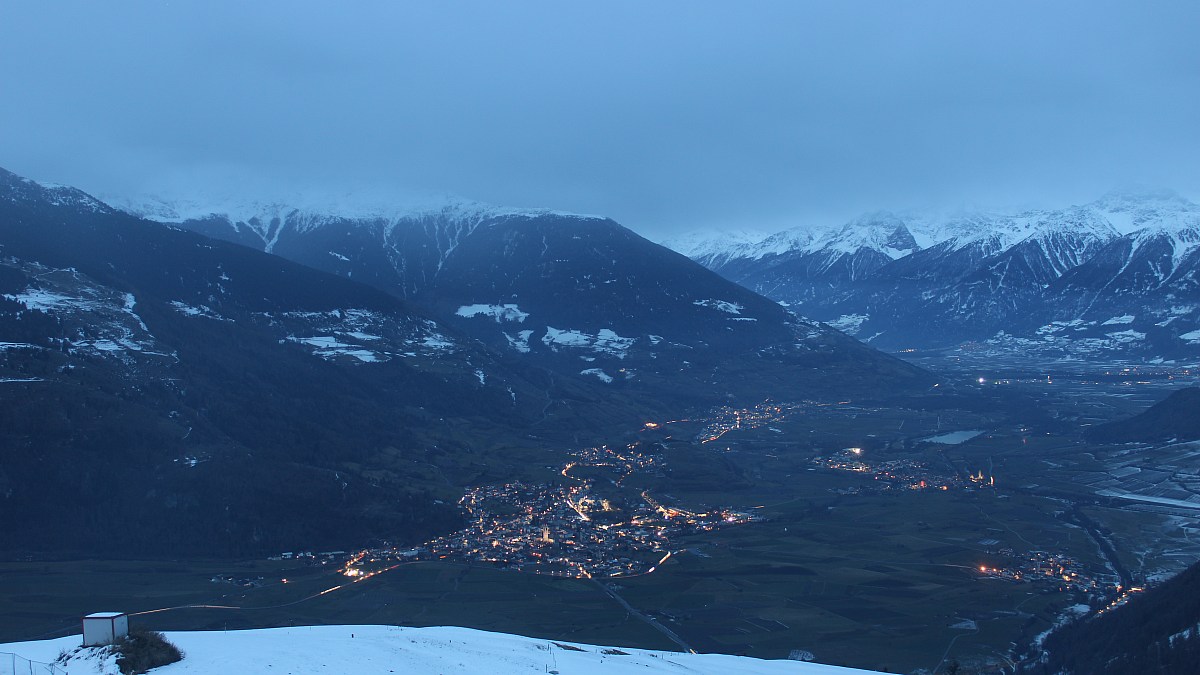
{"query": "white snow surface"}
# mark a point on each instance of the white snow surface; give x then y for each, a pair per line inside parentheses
(379, 650)
(849, 323)
(721, 305)
(1140, 213)
(43, 301)
(314, 206)
(605, 341)
(117, 329)
(711, 242)
(190, 310)
(872, 231)
(609, 342)
(598, 373)
(519, 342)
(498, 312)
(1127, 336)
(329, 347)
(565, 338)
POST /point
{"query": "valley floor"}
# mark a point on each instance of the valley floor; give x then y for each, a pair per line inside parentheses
(897, 534)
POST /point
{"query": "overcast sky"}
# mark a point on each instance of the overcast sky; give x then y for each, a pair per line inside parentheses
(667, 116)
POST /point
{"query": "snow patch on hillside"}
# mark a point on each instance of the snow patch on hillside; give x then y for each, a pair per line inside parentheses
(565, 338)
(520, 341)
(609, 342)
(365, 335)
(606, 341)
(720, 305)
(849, 324)
(329, 347)
(598, 373)
(1127, 336)
(45, 301)
(17, 345)
(498, 312)
(200, 310)
(102, 320)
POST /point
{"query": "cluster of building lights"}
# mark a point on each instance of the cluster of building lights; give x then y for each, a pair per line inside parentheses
(565, 530)
(902, 473)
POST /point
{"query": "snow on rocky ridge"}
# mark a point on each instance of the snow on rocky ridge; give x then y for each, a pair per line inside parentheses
(1127, 259)
(896, 235)
(313, 207)
(507, 312)
(380, 650)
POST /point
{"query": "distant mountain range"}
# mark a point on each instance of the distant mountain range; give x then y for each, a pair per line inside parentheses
(165, 391)
(1116, 278)
(579, 295)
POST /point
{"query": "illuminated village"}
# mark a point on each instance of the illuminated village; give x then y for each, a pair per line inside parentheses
(1051, 571)
(902, 474)
(591, 524)
(571, 529)
(726, 419)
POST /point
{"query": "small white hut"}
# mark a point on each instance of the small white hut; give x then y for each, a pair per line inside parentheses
(104, 628)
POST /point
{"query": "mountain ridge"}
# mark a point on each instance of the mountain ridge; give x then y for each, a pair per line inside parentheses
(1038, 282)
(207, 398)
(578, 294)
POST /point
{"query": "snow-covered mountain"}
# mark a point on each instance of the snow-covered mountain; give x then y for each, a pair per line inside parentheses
(379, 650)
(1051, 282)
(222, 400)
(578, 294)
(262, 223)
(171, 372)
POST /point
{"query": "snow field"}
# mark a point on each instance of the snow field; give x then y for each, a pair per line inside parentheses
(371, 650)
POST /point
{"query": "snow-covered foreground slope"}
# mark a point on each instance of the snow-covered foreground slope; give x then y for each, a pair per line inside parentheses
(366, 650)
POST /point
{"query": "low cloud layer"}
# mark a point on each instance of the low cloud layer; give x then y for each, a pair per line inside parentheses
(667, 116)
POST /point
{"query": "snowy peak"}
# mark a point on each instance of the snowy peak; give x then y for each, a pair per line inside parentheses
(882, 231)
(439, 222)
(794, 239)
(929, 278)
(988, 232)
(709, 244)
(1077, 221)
(16, 189)
(1129, 211)
(315, 208)
(1060, 241)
